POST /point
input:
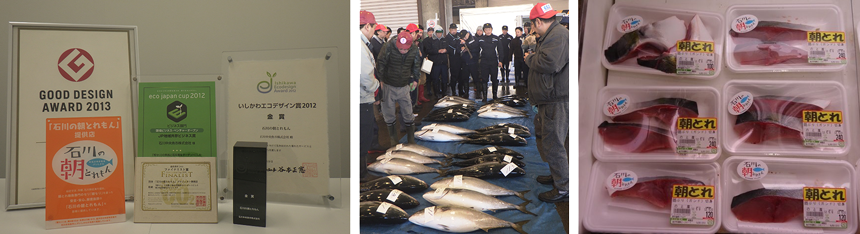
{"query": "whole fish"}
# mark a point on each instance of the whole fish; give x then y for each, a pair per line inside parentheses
(486, 171)
(498, 139)
(502, 126)
(477, 185)
(438, 136)
(500, 106)
(485, 159)
(406, 155)
(449, 102)
(461, 219)
(394, 196)
(519, 132)
(510, 102)
(468, 108)
(455, 98)
(501, 114)
(448, 117)
(471, 199)
(396, 166)
(488, 151)
(371, 213)
(448, 128)
(416, 148)
(403, 183)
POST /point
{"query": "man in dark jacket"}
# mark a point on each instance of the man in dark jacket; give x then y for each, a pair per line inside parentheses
(517, 51)
(398, 66)
(505, 54)
(437, 50)
(474, 50)
(548, 90)
(455, 62)
(490, 61)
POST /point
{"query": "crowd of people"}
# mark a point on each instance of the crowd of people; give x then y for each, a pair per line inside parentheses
(391, 76)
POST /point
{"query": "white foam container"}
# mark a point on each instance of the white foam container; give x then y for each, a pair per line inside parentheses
(623, 214)
(713, 22)
(825, 17)
(787, 173)
(826, 90)
(708, 106)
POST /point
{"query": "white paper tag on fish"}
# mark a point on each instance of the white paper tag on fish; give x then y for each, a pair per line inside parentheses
(620, 180)
(491, 149)
(630, 24)
(508, 168)
(740, 103)
(616, 105)
(435, 130)
(752, 169)
(512, 130)
(823, 129)
(744, 23)
(439, 192)
(825, 207)
(383, 207)
(399, 146)
(433, 125)
(696, 136)
(385, 160)
(429, 212)
(458, 180)
(693, 205)
(450, 110)
(508, 158)
(826, 47)
(392, 196)
(695, 58)
(395, 179)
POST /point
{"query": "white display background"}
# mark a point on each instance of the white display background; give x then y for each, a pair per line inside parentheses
(39, 53)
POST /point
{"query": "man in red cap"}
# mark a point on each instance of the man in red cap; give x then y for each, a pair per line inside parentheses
(368, 86)
(398, 66)
(378, 39)
(548, 91)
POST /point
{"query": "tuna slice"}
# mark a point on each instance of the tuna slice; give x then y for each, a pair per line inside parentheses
(771, 43)
(769, 54)
(654, 38)
(775, 117)
(665, 110)
(773, 31)
(635, 138)
(656, 190)
(768, 205)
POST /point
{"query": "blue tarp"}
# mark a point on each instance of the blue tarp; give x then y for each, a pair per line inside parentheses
(548, 219)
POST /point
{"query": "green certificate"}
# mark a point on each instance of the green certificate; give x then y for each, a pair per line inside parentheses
(177, 119)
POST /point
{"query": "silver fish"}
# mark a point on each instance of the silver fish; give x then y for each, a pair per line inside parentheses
(461, 219)
(449, 102)
(499, 106)
(472, 199)
(500, 114)
(411, 156)
(449, 128)
(418, 149)
(477, 185)
(438, 136)
(455, 98)
(396, 166)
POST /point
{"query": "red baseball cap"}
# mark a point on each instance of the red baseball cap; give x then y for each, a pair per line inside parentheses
(404, 40)
(543, 11)
(381, 27)
(411, 27)
(366, 17)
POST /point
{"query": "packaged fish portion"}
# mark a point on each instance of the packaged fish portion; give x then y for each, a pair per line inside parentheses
(785, 117)
(788, 195)
(657, 124)
(679, 43)
(785, 38)
(653, 197)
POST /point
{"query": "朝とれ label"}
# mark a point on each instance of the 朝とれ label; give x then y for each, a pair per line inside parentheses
(696, 135)
(826, 47)
(825, 207)
(695, 58)
(823, 129)
(693, 205)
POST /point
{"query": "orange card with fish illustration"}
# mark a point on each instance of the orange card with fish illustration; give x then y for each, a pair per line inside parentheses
(84, 176)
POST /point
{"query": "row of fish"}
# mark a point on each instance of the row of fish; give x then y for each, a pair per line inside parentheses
(653, 45)
(506, 134)
(444, 218)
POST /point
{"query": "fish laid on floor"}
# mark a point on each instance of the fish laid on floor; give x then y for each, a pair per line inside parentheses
(448, 128)
(416, 148)
(450, 102)
(770, 43)
(665, 110)
(512, 102)
(461, 219)
(485, 159)
(437, 136)
(500, 106)
(768, 205)
(775, 117)
(477, 185)
(655, 190)
(498, 139)
(517, 131)
(466, 108)
(370, 212)
(502, 126)
(635, 138)
(396, 166)
(393, 196)
(405, 183)
(406, 155)
(471, 199)
(485, 171)
(501, 114)
(490, 150)
(448, 117)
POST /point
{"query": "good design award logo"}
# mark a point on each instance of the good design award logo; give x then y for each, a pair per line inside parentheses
(76, 64)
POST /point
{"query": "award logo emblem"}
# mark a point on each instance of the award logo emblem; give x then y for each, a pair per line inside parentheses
(76, 64)
(268, 87)
(177, 111)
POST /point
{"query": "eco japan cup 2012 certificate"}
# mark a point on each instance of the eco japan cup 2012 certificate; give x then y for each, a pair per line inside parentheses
(176, 186)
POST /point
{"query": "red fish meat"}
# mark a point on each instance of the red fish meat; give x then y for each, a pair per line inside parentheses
(769, 54)
(635, 138)
(666, 110)
(775, 117)
(768, 205)
(656, 190)
(771, 43)
(770, 31)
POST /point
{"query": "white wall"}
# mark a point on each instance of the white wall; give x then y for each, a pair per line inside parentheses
(556, 4)
(186, 37)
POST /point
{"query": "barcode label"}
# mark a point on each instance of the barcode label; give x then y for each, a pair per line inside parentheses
(687, 141)
(813, 134)
(682, 211)
(815, 213)
(685, 63)
(817, 52)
